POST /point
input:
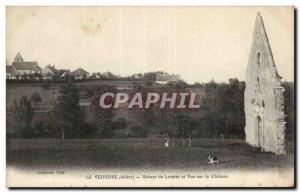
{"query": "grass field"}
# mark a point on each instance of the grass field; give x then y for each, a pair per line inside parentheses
(139, 154)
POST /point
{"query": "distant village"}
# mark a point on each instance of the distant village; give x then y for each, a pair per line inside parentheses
(21, 70)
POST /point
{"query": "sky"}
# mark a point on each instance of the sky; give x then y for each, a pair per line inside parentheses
(198, 43)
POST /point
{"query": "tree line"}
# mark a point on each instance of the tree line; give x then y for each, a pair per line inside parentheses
(221, 115)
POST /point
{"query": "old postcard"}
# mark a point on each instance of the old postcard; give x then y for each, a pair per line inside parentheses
(150, 96)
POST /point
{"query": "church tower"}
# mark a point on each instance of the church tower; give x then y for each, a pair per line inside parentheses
(18, 58)
(263, 97)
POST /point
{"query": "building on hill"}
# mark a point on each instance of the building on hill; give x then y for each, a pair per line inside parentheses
(63, 73)
(263, 101)
(10, 72)
(49, 72)
(80, 74)
(25, 69)
(165, 78)
(96, 75)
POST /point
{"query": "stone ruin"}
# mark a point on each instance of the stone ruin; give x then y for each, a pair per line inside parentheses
(263, 97)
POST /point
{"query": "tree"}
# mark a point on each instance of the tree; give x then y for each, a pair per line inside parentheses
(70, 116)
(23, 113)
(150, 76)
(108, 76)
(36, 98)
(102, 118)
(46, 84)
(186, 127)
(223, 109)
(149, 83)
(146, 121)
(179, 85)
(169, 124)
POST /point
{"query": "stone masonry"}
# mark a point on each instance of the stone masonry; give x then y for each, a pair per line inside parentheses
(264, 102)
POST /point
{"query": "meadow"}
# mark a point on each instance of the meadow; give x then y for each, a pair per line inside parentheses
(140, 153)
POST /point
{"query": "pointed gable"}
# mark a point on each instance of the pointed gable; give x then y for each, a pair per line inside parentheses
(18, 58)
(80, 72)
(261, 56)
(49, 69)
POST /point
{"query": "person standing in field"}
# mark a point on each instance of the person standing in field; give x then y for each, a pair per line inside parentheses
(166, 142)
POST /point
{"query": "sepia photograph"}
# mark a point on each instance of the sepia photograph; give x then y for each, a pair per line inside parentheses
(150, 96)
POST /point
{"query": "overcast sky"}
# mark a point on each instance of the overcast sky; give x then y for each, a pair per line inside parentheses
(199, 43)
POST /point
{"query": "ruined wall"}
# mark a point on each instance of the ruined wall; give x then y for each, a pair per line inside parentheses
(264, 105)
